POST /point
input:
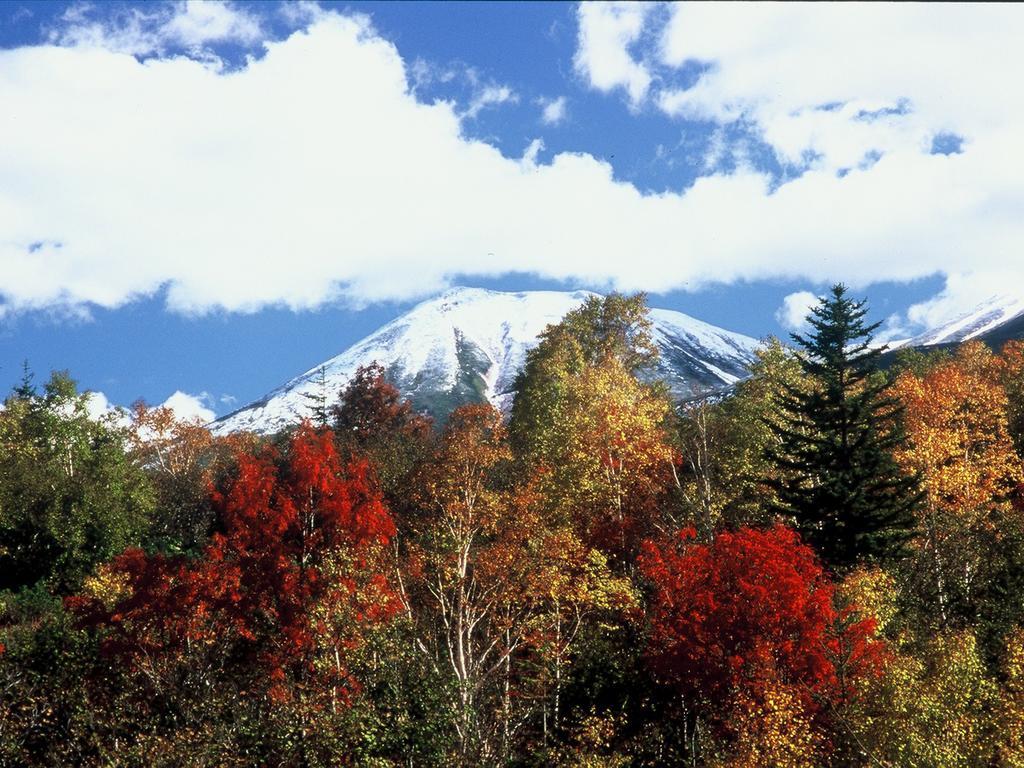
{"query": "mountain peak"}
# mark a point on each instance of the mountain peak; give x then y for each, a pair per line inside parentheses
(468, 345)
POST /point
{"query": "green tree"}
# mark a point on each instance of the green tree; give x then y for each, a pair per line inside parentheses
(836, 473)
(609, 327)
(724, 444)
(70, 497)
(597, 435)
(317, 400)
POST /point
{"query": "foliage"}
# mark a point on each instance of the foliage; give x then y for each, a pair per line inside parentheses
(749, 604)
(1013, 383)
(956, 417)
(273, 606)
(611, 327)
(1010, 712)
(839, 480)
(595, 436)
(500, 590)
(70, 497)
(724, 445)
(932, 709)
(519, 592)
(370, 419)
(182, 460)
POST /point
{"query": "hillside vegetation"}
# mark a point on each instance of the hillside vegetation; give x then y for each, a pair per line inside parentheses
(825, 568)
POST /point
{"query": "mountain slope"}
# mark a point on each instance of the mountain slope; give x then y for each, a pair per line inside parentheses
(992, 319)
(468, 345)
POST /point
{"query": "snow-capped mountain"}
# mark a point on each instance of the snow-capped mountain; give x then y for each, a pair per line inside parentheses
(468, 345)
(984, 320)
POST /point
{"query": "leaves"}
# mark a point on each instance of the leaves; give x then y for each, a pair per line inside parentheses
(295, 570)
(835, 471)
(749, 621)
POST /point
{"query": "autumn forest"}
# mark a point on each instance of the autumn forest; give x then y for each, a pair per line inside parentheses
(823, 566)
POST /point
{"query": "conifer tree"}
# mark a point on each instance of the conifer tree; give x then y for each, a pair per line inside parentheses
(836, 475)
(317, 400)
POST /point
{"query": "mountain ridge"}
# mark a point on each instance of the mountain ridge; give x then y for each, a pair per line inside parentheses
(468, 345)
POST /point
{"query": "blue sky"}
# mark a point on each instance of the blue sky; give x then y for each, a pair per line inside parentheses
(214, 198)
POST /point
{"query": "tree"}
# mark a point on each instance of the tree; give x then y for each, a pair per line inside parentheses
(1010, 749)
(182, 459)
(960, 445)
(931, 706)
(498, 590)
(610, 327)
(837, 477)
(70, 497)
(467, 563)
(1013, 383)
(724, 444)
(262, 623)
(371, 419)
(318, 410)
(749, 621)
(613, 467)
(596, 436)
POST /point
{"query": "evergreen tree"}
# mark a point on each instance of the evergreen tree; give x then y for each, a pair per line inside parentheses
(317, 400)
(836, 475)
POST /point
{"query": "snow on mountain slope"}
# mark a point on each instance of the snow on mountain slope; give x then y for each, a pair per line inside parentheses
(468, 345)
(983, 319)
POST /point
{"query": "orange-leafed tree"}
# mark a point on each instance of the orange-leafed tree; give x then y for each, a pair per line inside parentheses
(182, 458)
(497, 589)
(956, 419)
(465, 572)
(275, 603)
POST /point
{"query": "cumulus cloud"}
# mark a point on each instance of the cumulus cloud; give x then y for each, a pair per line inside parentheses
(553, 111)
(862, 92)
(839, 83)
(187, 407)
(98, 407)
(314, 174)
(607, 31)
(795, 309)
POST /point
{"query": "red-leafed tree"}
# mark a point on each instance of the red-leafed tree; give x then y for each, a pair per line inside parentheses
(276, 601)
(372, 420)
(735, 619)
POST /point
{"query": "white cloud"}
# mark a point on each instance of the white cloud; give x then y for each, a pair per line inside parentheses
(98, 407)
(490, 96)
(534, 149)
(203, 21)
(187, 407)
(553, 111)
(863, 90)
(314, 174)
(152, 28)
(606, 33)
(841, 81)
(300, 13)
(795, 309)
